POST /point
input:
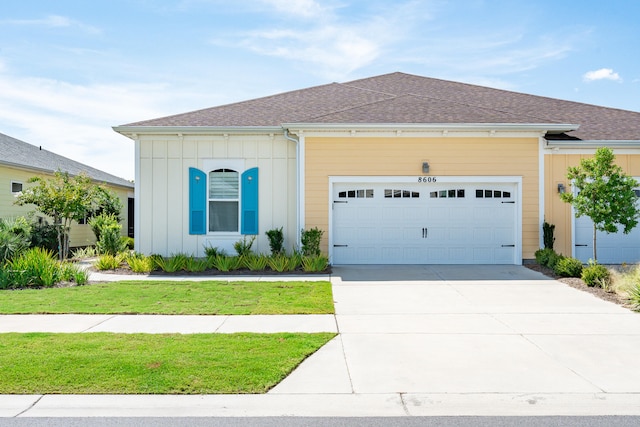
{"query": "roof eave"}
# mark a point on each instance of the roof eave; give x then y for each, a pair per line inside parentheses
(131, 131)
(527, 127)
(630, 143)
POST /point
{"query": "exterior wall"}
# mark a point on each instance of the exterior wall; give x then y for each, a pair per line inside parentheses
(403, 156)
(558, 212)
(163, 207)
(81, 234)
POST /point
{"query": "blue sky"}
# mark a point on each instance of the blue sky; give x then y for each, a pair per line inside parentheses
(71, 69)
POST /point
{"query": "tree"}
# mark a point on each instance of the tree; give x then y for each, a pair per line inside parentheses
(604, 193)
(64, 198)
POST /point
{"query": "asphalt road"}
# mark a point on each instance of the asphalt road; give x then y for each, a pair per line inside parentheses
(600, 421)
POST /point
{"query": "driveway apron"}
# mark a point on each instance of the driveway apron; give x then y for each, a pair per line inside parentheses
(455, 330)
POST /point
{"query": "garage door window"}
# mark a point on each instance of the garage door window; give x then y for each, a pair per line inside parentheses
(401, 194)
(447, 194)
(492, 194)
(356, 194)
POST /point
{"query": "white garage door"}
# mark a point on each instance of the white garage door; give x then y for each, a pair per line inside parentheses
(408, 223)
(614, 248)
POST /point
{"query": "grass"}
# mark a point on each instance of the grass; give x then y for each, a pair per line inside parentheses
(103, 363)
(170, 297)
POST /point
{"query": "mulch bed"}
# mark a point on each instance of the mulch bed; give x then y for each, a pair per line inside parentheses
(577, 283)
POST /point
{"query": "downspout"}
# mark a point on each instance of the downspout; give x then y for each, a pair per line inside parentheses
(298, 185)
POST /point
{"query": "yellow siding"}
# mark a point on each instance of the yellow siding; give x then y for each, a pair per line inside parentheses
(558, 212)
(404, 156)
(81, 234)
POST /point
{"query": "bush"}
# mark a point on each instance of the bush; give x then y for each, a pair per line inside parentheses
(44, 235)
(108, 262)
(15, 238)
(34, 267)
(195, 265)
(212, 251)
(596, 275)
(100, 222)
(110, 242)
(278, 263)
(276, 241)
(128, 242)
(174, 263)
(568, 267)
(634, 295)
(86, 252)
(225, 263)
(139, 263)
(255, 262)
(243, 247)
(311, 242)
(314, 264)
(542, 255)
(547, 233)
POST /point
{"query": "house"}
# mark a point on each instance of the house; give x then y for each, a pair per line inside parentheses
(21, 161)
(396, 169)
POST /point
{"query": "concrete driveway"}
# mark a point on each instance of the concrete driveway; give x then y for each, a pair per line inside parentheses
(475, 339)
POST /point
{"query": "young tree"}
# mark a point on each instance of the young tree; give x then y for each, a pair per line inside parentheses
(63, 198)
(604, 194)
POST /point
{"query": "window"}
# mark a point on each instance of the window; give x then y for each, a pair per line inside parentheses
(450, 194)
(401, 194)
(495, 194)
(224, 200)
(356, 194)
(16, 187)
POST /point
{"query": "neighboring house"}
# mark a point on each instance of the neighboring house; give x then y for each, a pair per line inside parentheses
(21, 161)
(396, 169)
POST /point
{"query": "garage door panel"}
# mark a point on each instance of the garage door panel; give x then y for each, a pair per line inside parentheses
(420, 225)
(613, 248)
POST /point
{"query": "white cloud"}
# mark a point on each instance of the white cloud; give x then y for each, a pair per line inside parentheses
(602, 74)
(300, 8)
(75, 121)
(55, 21)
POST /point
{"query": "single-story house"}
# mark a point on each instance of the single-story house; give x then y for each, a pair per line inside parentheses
(396, 169)
(21, 161)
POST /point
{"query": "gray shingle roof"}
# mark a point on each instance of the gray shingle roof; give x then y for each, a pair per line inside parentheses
(404, 98)
(20, 154)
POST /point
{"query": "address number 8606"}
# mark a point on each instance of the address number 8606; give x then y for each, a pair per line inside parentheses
(426, 179)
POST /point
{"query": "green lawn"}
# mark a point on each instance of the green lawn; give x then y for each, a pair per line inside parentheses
(171, 297)
(103, 363)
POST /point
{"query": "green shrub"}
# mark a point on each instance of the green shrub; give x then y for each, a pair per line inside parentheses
(15, 238)
(596, 275)
(108, 262)
(278, 263)
(276, 241)
(72, 273)
(34, 267)
(212, 251)
(225, 263)
(315, 263)
(99, 222)
(542, 256)
(172, 264)
(128, 242)
(568, 267)
(139, 263)
(634, 295)
(86, 252)
(255, 262)
(195, 265)
(554, 258)
(243, 247)
(44, 235)
(310, 240)
(547, 233)
(110, 242)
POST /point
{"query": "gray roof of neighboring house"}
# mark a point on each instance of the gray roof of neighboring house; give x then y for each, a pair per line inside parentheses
(20, 154)
(408, 99)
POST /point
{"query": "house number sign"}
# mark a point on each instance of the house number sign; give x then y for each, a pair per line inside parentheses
(427, 179)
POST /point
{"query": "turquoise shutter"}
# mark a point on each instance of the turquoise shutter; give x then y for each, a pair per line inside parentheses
(249, 218)
(197, 201)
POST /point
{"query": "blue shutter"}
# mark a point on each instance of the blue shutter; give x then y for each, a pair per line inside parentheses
(197, 201)
(249, 218)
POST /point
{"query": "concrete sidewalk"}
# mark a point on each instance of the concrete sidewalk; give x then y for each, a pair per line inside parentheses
(424, 340)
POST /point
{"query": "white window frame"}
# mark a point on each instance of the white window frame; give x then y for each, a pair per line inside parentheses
(236, 165)
(21, 186)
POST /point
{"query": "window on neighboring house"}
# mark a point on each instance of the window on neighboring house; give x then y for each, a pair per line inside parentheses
(224, 200)
(16, 187)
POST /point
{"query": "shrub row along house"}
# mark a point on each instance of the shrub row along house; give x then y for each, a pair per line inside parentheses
(396, 169)
(21, 161)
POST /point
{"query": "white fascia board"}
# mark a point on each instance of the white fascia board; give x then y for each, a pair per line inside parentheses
(131, 131)
(581, 144)
(527, 127)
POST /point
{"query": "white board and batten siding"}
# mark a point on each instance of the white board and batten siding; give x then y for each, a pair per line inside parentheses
(425, 220)
(164, 188)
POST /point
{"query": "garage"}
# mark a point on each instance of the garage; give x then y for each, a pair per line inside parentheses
(613, 248)
(409, 222)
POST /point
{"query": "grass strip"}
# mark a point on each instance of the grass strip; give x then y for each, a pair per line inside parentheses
(172, 297)
(103, 363)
